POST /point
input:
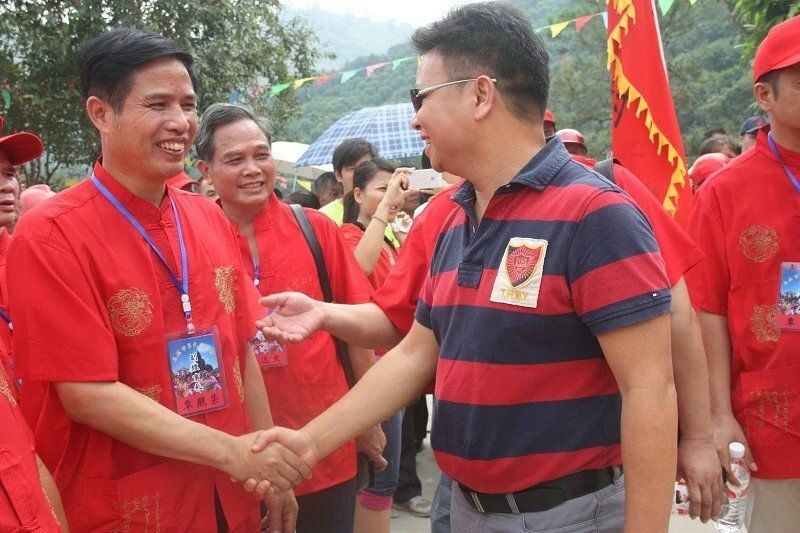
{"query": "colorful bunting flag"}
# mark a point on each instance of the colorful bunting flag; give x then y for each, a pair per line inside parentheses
(397, 62)
(234, 97)
(322, 78)
(6, 100)
(557, 28)
(666, 5)
(372, 68)
(349, 74)
(299, 83)
(580, 22)
(605, 20)
(275, 90)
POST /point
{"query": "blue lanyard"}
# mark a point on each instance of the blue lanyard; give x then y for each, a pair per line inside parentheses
(181, 284)
(256, 273)
(788, 171)
(6, 319)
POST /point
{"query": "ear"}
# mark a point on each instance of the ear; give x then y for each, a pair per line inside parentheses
(100, 113)
(765, 96)
(485, 95)
(358, 195)
(202, 166)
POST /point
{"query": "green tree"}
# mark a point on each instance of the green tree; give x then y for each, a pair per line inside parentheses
(758, 16)
(238, 46)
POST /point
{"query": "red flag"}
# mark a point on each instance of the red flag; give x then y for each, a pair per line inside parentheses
(322, 78)
(645, 133)
(580, 22)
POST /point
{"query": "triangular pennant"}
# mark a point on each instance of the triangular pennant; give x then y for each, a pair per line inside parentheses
(557, 28)
(349, 74)
(259, 90)
(322, 78)
(665, 5)
(605, 20)
(234, 97)
(693, 2)
(299, 83)
(396, 63)
(372, 68)
(278, 89)
(580, 22)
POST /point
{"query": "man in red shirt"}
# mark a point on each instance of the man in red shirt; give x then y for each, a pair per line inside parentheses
(29, 499)
(132, 318)
(745, 221)
(234, 147)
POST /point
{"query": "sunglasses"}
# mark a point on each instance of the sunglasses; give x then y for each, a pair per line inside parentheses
(418, 95)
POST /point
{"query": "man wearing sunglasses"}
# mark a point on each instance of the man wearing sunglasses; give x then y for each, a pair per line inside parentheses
(545, 315)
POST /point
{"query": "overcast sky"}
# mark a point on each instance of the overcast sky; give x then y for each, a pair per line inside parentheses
(414, 12)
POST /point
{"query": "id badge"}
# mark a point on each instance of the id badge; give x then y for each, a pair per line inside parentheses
(197, 372)
(269, 354)
(787, 316)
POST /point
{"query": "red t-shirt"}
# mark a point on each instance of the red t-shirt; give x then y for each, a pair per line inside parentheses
(92, 302)
(746, 221)
(313, 379)
(23, 505)
(398, 295)
(680, 253)
(352, 235)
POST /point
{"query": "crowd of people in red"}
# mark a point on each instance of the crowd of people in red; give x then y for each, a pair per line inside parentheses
(228, 361)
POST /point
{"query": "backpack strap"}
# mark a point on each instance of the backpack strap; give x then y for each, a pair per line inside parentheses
(606, 169)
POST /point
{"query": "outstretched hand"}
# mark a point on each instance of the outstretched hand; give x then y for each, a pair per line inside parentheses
(294, 317)
(273, 467)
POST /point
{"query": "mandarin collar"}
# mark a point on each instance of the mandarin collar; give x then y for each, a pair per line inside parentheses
(142, 210)
(268, 212)
(536, 174)
(792, 159)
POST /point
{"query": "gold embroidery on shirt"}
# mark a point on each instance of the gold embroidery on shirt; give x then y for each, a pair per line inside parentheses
(237, 377)
(759, 243)
(5, 388)
(779, 401)
(146, 506)
(153, 392)
(130, 311)
(49, 504)
(223, 281)
(762, 323)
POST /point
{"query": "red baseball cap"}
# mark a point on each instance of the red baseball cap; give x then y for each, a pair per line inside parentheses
(20, 147)
(705, 165)
(779, 49)
(181, 181)
(549, 117)
(571, 136)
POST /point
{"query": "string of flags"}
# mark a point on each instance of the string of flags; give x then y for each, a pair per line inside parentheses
(554, 30)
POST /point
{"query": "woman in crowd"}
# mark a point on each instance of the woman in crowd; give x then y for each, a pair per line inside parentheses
(374, 203)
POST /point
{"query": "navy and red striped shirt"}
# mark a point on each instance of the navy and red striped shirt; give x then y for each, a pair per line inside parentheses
(524, 393)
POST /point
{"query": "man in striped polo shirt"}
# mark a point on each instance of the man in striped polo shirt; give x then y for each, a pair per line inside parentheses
(545, 315)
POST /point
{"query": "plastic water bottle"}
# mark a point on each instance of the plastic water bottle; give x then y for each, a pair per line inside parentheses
(680, 502)
(734, 513)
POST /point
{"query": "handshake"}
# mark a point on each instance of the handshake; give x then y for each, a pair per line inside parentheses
(274, 460)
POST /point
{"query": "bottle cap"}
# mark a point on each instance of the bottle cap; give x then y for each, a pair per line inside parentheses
(736, 449)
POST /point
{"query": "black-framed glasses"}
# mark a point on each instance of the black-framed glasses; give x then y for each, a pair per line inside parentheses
(418, 95)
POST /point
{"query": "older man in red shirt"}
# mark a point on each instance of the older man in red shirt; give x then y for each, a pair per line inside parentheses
(745, 221)
(132, 318)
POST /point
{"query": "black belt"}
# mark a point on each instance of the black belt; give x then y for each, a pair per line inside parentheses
(543, 496)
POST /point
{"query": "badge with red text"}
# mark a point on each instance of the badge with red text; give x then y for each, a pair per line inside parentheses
(269, 354)
(787, 315)
(198, 376)
(519, 275)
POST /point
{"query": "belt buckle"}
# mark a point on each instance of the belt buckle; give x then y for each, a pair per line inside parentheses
(477, 502)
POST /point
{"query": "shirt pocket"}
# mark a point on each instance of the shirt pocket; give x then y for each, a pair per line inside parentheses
(772, 406)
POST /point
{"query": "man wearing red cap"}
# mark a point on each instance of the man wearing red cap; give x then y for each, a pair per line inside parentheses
(29, 499)
(133, 318)
(549, 124)
(746, 289)
(705, 166)
(573, 141)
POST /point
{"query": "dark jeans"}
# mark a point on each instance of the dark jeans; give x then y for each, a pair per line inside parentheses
(408, 484)
(331, 510)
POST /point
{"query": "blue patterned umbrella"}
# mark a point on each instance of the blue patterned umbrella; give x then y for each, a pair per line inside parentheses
(387, 127)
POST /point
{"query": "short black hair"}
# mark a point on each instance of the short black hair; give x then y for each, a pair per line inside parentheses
(304, 198)
(717, 143)
(222, 114)
(714, 131)
(772, 79)
(364, 174)
(107, 62)
(324, 180)
(350, 151)
(495, 39)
